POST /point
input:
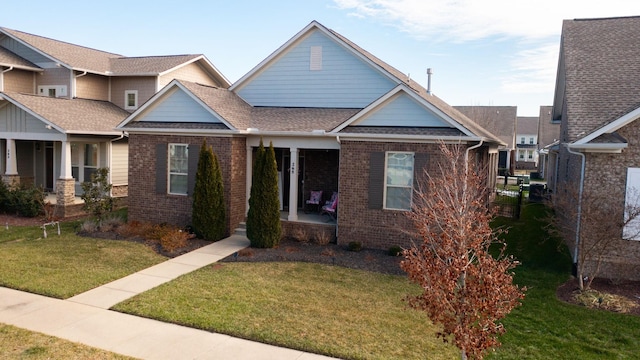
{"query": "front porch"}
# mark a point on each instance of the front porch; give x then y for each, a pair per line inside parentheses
(311, 227)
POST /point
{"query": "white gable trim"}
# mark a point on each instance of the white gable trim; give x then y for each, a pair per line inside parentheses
(207, 65)
(174, 84)
(403, 88)
(298, 37)
(30, 112)
(611, 127)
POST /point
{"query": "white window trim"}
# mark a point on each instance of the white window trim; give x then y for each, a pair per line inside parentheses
(631, 200)
(61, 90)
(384, 195)
(126, 99)
(169, 173)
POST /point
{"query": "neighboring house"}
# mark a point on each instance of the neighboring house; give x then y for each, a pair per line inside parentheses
(527, 143)
(340, 120)
(598, 104)
(60, 104)
(548, 136)
(500, 121)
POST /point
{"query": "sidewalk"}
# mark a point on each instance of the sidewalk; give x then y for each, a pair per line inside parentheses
(85, 319)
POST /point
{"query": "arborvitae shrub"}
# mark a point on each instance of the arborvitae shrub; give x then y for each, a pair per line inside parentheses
(263, 220)
(208, 219)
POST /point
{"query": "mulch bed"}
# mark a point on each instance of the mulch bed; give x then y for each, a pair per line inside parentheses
(332, 254)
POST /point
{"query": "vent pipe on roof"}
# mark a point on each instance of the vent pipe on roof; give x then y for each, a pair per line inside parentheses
(429, 73)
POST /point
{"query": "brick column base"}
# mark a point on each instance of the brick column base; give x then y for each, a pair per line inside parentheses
(65, 195)
(11, 180)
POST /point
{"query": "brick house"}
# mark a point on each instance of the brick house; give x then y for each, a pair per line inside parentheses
(60, 104)
(598, 104)
(340, 120)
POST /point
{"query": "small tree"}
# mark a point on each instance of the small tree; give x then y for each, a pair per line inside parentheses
(97, 194)
(208, 197)
(263, 220)
(465, 289)
(602, 224)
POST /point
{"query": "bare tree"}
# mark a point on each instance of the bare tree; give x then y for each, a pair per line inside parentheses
(602, 223)
(465, 288)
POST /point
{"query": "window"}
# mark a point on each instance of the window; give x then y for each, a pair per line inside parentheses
(530, 154)
(52, 90)
(631, 230)
(84, 161)
(398, 188)
(521, 155)
(131, 99)
(530, 141)
(522, 140)
(178, 168)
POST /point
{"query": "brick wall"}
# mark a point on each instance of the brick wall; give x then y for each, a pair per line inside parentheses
(147, 205)
(321, 173)
(374, 228)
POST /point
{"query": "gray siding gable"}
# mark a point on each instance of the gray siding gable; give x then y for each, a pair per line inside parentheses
(402, 110)
(178, 106)
(344, 81)
(26, 52)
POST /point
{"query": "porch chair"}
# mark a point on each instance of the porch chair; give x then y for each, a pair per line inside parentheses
(330, 207)
(314, 201)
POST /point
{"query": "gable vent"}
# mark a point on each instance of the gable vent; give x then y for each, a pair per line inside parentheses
(315, 63)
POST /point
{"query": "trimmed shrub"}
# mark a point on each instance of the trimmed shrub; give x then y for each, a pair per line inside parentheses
(208, 197)
(355, 246)
(263, 220)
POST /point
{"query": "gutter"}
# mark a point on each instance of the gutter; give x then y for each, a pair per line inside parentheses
(466, 154)
(579, 220)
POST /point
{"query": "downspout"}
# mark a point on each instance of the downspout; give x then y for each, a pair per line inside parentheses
(75, 78)
(579, 220)
(111, 156)
(2, 77)
(466, 154)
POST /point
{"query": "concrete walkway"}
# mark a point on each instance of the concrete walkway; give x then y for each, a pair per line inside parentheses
(85, 319)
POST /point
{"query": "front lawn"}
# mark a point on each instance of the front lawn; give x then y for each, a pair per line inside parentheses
(16, 343)
(66, 265)
(360, 315)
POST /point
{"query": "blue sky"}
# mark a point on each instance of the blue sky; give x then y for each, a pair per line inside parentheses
(482, 52)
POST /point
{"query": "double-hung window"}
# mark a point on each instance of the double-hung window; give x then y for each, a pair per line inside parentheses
(398, 188)
(178, 168)
(131, 99)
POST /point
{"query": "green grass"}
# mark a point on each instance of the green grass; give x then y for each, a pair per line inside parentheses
(66, 265)
(318, 308)
(16, 343)
(360, 315)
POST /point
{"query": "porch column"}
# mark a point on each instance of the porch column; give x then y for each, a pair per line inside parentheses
(293, 186)
(65, 186)
(11, 176)
(249, 175)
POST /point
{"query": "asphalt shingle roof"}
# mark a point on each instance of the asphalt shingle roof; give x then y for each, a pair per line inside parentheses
(499, 120)
(97, 61)
(527, 125)
(601, 70)
(74, 115)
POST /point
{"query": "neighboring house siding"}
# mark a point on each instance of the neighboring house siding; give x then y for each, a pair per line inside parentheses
(91, 86)
(148, 204)
(119, 162)
(345, 81)
(16, 120)
(402, 111)
(177, 106)
(58, 76)
(192, 72)
(146, 87)
(25, 52)
(358, 220)
(21, 81)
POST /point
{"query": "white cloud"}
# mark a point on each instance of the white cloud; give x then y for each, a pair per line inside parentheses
(532, 70)
(466, 20)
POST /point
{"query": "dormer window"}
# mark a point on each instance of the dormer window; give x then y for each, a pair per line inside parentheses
(131, 99)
